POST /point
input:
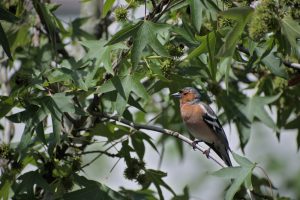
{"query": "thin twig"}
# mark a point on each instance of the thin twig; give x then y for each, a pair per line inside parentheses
(156, 129)
(269, 181)
(291, 65)
(70, 118)
(101, 152)
(244, 50)
(162, 12)
(145, 11)
(113, 167)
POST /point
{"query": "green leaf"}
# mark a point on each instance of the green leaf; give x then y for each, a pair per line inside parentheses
(47, 17)
(248, 182)
(7, 16)
(32, 114)
(109, 86)
(242, 16)
(243, 161)
(135, 103)
(55, 137)
(100, 53)
(109, 131)
(202, 48)
(81, 73)
(4, 42)
(138, 145)
(20, 38)
(25, 141)
(196, 13)
(146, 36)
(139, 44)
(156, 178)
(244, 173)
(228, 172)
(255, 107)
(123, 34)
(6, 104)
(185, 34)
(291, 30)
(107, 6)
(268, 58)
(184, 196)
(244, 131)
(137, 87)
(124, 86)
(63, 103)
(241, 174)
(40, 133)
(98, 191)
(28, 181)
(5, 189)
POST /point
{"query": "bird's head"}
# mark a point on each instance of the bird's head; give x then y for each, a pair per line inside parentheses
(187, 95)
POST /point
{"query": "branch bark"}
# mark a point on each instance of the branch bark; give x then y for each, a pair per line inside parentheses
(156, 129)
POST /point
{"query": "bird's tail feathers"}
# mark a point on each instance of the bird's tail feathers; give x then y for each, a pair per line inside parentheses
(226, 158)
(222, 152)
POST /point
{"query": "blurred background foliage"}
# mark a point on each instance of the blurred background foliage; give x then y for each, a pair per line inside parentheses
(62, 81)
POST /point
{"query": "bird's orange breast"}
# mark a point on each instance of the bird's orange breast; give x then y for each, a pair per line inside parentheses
(192, 117)
(191, 112)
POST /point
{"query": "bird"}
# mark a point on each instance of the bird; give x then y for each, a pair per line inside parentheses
(202, 122)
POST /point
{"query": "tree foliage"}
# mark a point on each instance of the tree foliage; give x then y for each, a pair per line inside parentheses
(71, 87)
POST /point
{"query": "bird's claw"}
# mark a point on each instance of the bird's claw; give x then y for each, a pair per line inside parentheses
(195, 142)
(206, 152)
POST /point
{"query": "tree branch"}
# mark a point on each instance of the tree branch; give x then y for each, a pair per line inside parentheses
(291, 65)
(244, 50)
(156, 129)
(157, 9)
(101, 152)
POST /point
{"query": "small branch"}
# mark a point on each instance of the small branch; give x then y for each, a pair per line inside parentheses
(70, 118)
(157, 9)
(291, 65)
(168, 7)
(244, 50)
(156, 129)
(101, 152)
(145, 11)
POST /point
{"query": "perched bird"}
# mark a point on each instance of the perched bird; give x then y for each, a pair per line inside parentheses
(203, 123)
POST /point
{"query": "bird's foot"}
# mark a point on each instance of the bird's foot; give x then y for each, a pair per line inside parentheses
(195, 142)
(206, 152)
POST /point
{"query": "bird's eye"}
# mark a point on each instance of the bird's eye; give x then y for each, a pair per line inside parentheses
(185, 93)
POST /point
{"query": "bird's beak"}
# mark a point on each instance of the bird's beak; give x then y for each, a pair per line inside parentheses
(177, 95)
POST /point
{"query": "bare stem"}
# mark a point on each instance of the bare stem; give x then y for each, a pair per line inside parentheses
(145, 10)
(101, 152)
(269, 181)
